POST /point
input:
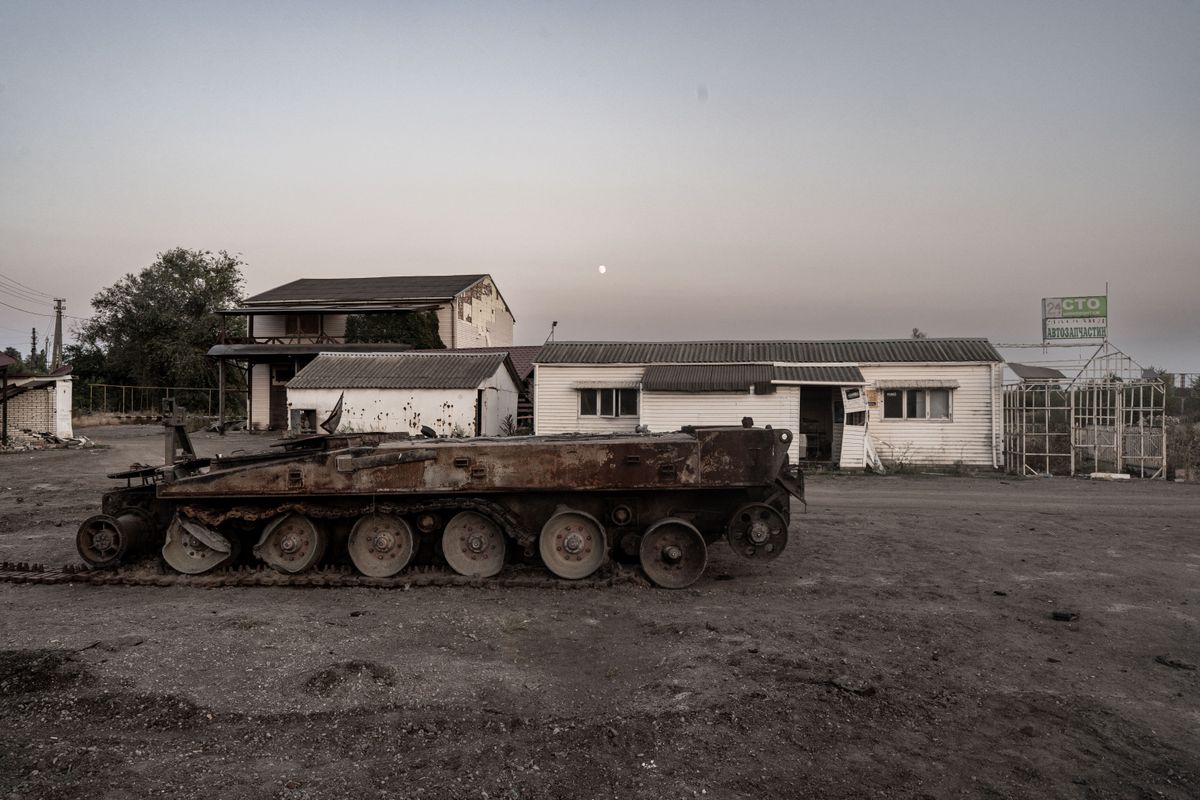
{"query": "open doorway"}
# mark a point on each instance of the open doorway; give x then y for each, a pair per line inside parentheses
(832, 426)
(817, 412)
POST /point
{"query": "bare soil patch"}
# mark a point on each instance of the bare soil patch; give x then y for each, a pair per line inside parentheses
(905, 645)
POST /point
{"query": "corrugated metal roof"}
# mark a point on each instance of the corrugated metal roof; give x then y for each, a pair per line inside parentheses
(522, 355)
(280, 309)
(446, 370)
(705, 377)
(396, 287)
(861, 351)
(841, 376)
(1028, 372)
(15, 389)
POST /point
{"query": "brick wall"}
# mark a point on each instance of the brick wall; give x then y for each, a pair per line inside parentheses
(34, 409)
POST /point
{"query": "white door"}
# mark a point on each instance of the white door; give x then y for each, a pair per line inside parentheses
(852, 454)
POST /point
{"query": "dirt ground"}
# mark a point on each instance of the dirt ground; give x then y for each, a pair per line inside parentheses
(902, 646)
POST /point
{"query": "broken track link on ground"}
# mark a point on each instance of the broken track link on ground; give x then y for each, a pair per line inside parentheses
(151, 574)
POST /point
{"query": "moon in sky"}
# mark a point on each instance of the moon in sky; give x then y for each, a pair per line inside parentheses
(603, 269)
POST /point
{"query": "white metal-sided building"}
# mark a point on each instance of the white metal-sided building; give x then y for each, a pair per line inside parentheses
(912, 401)
(454, 393)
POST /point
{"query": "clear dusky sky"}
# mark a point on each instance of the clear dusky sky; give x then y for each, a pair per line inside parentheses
(743, 170)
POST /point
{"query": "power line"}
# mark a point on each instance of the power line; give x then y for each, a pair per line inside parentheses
(20, 295)
(27, 288)
(24, 310)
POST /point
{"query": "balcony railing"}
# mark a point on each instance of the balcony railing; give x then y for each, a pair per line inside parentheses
(299, 338)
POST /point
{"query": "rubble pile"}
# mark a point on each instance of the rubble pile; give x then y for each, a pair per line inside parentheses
(26, 439)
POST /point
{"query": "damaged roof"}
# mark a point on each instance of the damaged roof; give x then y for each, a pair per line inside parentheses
(840, 376)
(443, 370)
(861, 351)
(522, 355)
(396, 287)
(1028, 372)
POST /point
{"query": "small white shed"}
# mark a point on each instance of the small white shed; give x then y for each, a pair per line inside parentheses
(455, 394)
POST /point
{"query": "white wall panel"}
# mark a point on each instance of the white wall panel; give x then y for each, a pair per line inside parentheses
(269, 325)
(392, 409)
(966, 437)
(499, 401)
(669, 411)
(260, 396)
(445, 318)
(62, 407)
(406, 410)
(335, 326)
(556, 398)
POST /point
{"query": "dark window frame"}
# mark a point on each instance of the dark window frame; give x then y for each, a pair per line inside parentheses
(911, 399)
(294, 324)
(610, 403)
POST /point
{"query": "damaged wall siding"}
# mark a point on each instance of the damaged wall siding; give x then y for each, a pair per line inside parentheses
(966, 437)
(480, 318)
(408, 409)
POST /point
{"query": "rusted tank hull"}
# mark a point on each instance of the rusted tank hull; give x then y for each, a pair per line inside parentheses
(573, 502)
(723, 458)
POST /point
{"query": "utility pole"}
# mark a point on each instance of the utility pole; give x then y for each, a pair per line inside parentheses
(56, 359)
(32, 347)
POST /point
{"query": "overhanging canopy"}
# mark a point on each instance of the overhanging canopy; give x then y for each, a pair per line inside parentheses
(826, 376)
(706, 377)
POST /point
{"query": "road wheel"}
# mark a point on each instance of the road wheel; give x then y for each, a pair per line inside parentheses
(673, 553)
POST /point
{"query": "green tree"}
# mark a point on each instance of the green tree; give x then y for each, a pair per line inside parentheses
(155, 327)
(16, 355)
(87, 360)
(418, 328)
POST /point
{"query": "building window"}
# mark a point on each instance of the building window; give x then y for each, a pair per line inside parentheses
(608, 402)
(280, 375)
(302, 324)
(916, 404)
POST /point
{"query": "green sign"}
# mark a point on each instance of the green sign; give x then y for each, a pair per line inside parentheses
(1074, 307)
(1065, 318)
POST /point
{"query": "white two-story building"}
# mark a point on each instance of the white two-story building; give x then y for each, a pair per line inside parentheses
(288, 326)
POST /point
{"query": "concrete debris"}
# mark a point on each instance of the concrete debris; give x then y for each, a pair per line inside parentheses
(26, 440)
(230, 425)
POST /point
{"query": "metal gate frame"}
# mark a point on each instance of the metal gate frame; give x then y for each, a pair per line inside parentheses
(1110, 418)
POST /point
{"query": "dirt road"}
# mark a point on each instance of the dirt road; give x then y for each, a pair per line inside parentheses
(903, 646)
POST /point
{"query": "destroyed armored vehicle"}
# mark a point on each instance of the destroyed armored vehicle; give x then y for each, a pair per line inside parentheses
(383, 502)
